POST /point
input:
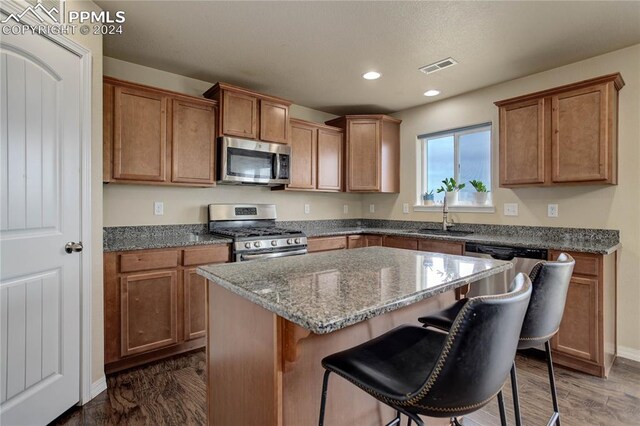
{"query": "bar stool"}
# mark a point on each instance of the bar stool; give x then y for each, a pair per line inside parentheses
(550, 282)
(419, 371)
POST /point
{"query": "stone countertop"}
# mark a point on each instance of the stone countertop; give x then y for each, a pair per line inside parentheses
(324, 292)
(544, 241)
(125, 238)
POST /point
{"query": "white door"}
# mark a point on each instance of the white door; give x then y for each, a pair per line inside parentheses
(40, 213)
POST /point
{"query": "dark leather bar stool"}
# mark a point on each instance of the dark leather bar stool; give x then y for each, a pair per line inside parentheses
(419, 371)
(550, 281)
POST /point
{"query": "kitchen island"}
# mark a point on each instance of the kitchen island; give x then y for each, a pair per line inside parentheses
(271, 322)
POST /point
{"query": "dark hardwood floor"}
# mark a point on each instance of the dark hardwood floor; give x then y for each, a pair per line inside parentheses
(172, 392)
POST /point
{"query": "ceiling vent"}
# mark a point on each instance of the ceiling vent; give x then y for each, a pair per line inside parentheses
(437, 66)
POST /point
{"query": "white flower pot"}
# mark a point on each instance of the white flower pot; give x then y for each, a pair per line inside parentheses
(480, 198)
(452, 198)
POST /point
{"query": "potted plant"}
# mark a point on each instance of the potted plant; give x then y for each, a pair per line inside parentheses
(481, 193)
(450, 188)
(428, 198)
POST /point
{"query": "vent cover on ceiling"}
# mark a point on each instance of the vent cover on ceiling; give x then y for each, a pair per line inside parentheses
(437, 66)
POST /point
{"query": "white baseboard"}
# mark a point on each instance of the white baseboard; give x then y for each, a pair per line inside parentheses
(629, 353)
(98, 387)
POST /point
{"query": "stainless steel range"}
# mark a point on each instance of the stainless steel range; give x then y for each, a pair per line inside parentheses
(253, 230)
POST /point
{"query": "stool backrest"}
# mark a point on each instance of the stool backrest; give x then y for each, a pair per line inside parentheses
(477, 355)
(550, 283)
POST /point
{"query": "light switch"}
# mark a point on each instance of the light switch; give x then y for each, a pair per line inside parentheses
(158, 208)
(307, 209)
(405, 208)
(511, 209)
(552, 210)
(372, 208)
(345, 209)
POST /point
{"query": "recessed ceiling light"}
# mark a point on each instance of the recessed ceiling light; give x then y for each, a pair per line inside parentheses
(432, 92)
(371, 75)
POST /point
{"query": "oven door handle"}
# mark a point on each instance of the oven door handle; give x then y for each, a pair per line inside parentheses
(272, 255)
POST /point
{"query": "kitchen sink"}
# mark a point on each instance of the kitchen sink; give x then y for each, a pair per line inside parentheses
(452, 233)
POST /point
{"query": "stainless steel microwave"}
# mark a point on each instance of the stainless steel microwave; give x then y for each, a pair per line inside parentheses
(247, 162)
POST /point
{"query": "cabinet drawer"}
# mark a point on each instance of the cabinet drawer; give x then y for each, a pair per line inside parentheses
(356, 241)
(374, 240)
(202, 256)
(400, 242)
(326, 243)
(586, 263)
(145, 261)
(445, 247)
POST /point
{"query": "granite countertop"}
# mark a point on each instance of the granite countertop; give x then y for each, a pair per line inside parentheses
(325, 292)
(124, 238)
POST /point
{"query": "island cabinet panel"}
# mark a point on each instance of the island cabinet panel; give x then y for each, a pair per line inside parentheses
(149, 313)
(318, 244)
(155, 303)
(154, 136)
(246, 114)
(193, 140)
(372, 152)
(303, 156)
(400, 242)
(564, 135)
(586, 339)
(437, 246)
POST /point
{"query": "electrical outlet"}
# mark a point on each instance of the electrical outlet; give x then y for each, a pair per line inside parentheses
(158, 208)
(372, 208)
(345, 209)
(307, 209)
(552, 210)
(511, 209)
(405, 208)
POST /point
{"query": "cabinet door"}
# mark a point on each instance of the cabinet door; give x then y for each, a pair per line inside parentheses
(522, 143)
(239, 115)
(578, 333)
(149, 306)
(140, 135)
(363, 155)
(580, 143)
(195, 304)
(303, 156)
(330, 152)
(374, 240)
(274, 122)
(326, 243)
(445, 247)
(400, 242)
(356, 241)
(193, 142)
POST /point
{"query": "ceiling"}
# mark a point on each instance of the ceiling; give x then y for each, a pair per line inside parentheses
(314, 53)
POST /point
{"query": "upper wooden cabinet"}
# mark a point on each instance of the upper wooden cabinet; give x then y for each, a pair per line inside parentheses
(154, 136)
(564, 135)
(250, 115)
(316, 157)
(372, 152)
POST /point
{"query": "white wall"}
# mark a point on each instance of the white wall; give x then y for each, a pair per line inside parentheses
(133, 204)
(612, 207)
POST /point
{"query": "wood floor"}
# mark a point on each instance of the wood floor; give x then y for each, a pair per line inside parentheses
(172, 392)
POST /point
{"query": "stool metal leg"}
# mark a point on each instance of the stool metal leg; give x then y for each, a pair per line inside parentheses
(516, 398)
(552, 384)
(323, 401)
(503, 413)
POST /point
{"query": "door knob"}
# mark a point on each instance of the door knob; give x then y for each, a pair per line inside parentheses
(72, 247)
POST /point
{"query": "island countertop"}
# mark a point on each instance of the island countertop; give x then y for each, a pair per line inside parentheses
(325, 292)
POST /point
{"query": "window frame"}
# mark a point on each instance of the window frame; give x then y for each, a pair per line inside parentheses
(423, 164)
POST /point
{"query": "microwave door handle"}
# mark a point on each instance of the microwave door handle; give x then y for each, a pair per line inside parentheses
(276, 159)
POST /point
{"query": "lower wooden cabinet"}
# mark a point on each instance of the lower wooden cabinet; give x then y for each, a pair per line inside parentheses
(438, 246)
(356, 241)
(400, 242)
(155, 303)
(318, 244)
(586, 339)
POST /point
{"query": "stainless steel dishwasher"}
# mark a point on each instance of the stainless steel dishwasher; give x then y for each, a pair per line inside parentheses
(523, 259)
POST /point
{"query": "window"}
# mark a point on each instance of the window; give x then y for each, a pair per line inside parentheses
(465, 155)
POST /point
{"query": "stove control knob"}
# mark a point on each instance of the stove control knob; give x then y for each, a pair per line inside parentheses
(297, 240)
(257, 244)
(274, 243)
(247, 245)
(290, 241)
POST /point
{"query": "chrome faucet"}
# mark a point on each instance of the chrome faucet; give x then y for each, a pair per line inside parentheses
(445, 212)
